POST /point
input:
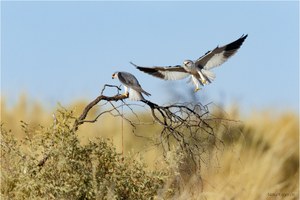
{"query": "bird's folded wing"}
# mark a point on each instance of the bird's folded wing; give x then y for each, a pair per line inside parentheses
(168, 73)
(138, 88)
(128, 79)
(219, 55)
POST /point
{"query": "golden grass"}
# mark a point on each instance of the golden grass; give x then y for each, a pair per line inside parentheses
(261, 163)
(264, 164)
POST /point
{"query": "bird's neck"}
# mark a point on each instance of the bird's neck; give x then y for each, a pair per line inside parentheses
(190, 68)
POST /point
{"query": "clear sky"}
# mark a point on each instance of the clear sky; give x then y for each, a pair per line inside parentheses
(65, 51)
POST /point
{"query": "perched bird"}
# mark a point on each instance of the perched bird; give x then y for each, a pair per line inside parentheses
(132, 84)
(199, 70)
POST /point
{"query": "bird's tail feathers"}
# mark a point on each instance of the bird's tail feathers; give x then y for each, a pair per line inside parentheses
(146, 93)
(135, 95)
(208, 74)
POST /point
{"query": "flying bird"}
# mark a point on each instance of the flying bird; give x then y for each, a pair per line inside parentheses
(133, 89)
(199, 70)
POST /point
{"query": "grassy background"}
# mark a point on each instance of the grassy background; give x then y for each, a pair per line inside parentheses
(260, 159)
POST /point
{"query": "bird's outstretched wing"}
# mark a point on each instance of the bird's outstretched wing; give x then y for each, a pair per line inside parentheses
(168, 73)
(219, 55)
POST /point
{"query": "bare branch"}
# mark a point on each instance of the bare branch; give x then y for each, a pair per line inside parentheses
(102, 97)
(190, 127)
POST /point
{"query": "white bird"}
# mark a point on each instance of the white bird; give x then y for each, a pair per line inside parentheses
(199, 70)
(133, 89)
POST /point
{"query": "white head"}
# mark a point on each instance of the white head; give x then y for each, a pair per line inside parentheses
(114, 75)
(188, 64)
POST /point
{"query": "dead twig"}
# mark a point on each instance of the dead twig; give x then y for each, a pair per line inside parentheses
(81, 118)
(187, 126)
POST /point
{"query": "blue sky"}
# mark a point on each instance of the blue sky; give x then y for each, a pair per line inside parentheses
(65, 51)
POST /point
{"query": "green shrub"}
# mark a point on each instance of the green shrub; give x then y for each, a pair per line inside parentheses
(50, 163)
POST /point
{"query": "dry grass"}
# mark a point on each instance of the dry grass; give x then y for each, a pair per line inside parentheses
(264, 163)
(260, 159)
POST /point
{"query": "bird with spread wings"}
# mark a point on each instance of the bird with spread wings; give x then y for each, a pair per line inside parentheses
(132, 87)
(199, 70)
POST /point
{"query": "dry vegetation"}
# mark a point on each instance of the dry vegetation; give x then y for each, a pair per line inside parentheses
(257, 159)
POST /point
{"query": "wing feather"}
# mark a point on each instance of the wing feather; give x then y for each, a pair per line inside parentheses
(130, 81)
(219, 55)
(168, 73)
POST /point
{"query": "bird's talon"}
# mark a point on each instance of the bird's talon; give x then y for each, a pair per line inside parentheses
(125, 94)
(197, 89)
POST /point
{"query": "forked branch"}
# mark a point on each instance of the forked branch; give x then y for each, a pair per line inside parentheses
(187, 125)
(81, 118)
(184, 125)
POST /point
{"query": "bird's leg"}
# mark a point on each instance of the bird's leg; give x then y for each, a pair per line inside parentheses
(196, 83)
(202, 78)
(204, 81)
(126, 93)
